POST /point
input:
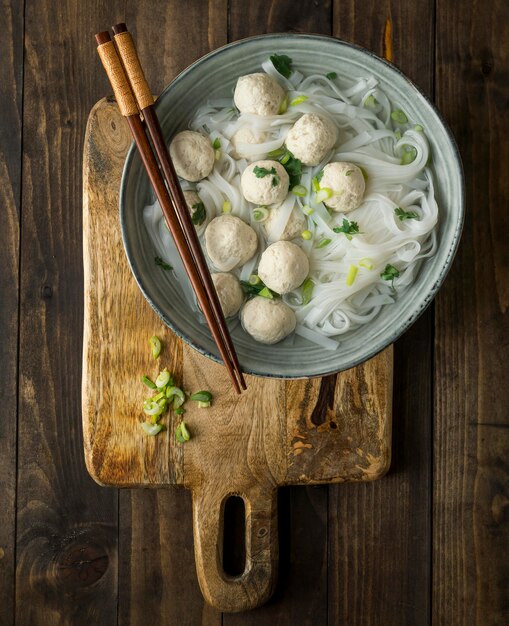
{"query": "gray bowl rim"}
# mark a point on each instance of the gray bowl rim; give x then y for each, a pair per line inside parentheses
(428, 298)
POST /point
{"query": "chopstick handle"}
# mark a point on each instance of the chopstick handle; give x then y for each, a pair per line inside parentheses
(115, 71)
(133, 69)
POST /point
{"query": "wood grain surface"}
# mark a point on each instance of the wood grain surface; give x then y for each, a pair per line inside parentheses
(276, 433)
(427, 543)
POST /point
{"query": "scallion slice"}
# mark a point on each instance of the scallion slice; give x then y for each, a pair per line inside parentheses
(151, 407)
(283, 106)
(366, 263)
(323, 243)
(260, 214)
(163, 379)
(184, 432)
(266, 293)
(307, 290)
(408, 156)
(352, 274)
(254, 279)
(300, 190)
(227, 206)
(178, 396)
(324, 194)
(203, 405)
(399, 117)
(152, 429)
(149, 383)
(307, 210)
(306, 234)
(298, 100)
(202, 396)
(156, 345)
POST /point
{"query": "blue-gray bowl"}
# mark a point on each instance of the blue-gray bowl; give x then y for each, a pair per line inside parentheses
(213, 76)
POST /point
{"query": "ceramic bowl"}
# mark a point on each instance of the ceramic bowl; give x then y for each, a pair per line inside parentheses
(213, 76)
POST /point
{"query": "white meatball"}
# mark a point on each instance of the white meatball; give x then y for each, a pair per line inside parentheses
(229, 292)
(296, 224)
(192, 155)
(268, 321)
(195, 206)
(230, 242)
(283, 267)
(265, 182)
(259, 94)
(246, 135)
(347, 184)
(311, 138)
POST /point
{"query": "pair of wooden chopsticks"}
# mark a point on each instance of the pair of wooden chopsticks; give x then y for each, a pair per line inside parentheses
(122, 65)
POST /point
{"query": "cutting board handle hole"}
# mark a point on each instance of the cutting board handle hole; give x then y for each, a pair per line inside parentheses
(234, 536)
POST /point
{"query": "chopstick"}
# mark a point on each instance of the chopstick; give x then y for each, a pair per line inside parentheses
(174, 208)
(143, 95)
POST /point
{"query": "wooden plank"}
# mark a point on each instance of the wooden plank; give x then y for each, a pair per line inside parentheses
(471, 427)
(67, 525)
(164, 548)
(11, 79)
(379, 533)
(301, 594)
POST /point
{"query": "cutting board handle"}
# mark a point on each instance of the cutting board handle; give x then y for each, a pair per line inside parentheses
(256, 584)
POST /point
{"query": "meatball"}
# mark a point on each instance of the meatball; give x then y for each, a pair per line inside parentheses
(311, 138)
(265, 182)
(192, 155)
(268, 321)
(195, 206)
(259, 94)
(230, 242)
(296, 224)
(246, 135)
(347, 184)
(283, 267)
(229, 292)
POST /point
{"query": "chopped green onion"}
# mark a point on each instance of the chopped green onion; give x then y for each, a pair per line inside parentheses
(152, 429)
(217, 155)
(323, 243)
(202, 396)
(151, 407)
(316, 184)
(227, 206)
(146, 381)
(306, 234)
(408, 156)
(285, 158)
(366, 263)
(307, 210)
(254, 279)
(390, 273)
(399, 117)
(319, 177)
(352, 273)
(405, 215)
(298, 100)
(184, 432)
(156, 346)
(277, 152)
(324, 194)
(397, 134)
(307, 290)
(418, 128)
(266, 293)
(216, 144)
(331, 75)
(282, 63)
(260, 214)
(300, 190)
(180, 411)
(203, 405)
(163, 379)
(283, 106)
(162, 264)
(178, 434)
(178, 396)
(370, 102)
(158, 397)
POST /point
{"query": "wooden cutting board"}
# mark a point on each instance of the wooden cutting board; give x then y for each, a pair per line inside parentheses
(277, 433)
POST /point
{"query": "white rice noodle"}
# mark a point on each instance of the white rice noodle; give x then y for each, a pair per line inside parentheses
(278, 224)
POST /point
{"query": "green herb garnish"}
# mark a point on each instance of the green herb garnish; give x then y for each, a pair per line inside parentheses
(399, 117)
(149, 383)
(323, 243)
(405, 215)
(261, 172)
(202, 396)
(257, 289)
(370, 102)
(155, 344)
(162, 264)
(331, 75)
(282, 63)
(307, 290)
(216, 144)
(390, 273)
(199, 214)
(293, 168)
(348, 228)
(408, 156)
(182, 434)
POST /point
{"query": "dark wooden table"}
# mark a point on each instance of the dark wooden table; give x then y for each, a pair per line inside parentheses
(428, 543)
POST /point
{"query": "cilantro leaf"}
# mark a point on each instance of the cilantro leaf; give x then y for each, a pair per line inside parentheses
(283, 64)
(258, 290)
(348, 228)
(293, 168)
(331, 75)
(390, 273)
(198, 214)
(162, 264)
(405, 215)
